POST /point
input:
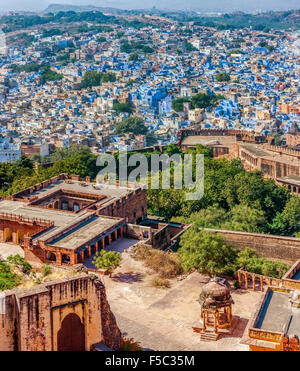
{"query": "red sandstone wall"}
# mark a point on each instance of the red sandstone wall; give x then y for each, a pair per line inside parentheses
(286, 249)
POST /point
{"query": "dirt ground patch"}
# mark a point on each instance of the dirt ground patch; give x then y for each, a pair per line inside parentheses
(162, 319)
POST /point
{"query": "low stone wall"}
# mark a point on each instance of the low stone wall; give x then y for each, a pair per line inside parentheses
(285, 249)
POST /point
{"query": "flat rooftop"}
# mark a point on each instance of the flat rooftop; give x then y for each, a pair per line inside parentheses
(193, 140)
(270, 155)
(76, 186)
(292, 179)
(277, 315)
(84, 232)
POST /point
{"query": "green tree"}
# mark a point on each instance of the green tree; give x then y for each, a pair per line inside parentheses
(134, 57)
(107, 260)
(245, 219)
(206, 252)
(201, 100)
(123, 107)
(133, 125)
(291, 213)
(222, 77)
(177, 104)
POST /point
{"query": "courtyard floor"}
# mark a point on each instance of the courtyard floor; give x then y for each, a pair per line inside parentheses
(7, 249)
(119, 245)
(162, 319)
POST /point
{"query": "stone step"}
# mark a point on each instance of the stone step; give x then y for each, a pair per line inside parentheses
(209, 336)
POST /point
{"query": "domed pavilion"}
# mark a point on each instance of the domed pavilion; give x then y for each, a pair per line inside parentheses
(216, 305)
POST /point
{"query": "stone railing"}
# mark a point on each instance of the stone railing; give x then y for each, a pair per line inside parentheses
(243, 278)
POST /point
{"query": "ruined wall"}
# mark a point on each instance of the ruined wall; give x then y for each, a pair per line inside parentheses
(33, 318)
(138, 232)
(110, 330)
(132, 207)
(286, 249)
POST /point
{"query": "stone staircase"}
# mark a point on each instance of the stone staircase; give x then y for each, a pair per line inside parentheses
(208, 336)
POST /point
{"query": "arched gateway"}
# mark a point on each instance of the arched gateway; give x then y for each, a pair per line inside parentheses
(71, 335)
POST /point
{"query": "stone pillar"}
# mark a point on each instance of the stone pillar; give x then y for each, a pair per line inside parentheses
(261, 283)
(115, 234)
(109, 239)
(58, 258)
(75, 258)
(215, 324)
(82, 255)
(253, 281)
(103, 243)
(239, 278)
(228, 314)
(204, 321)
(246, 281)
(121, 231)
(89, 251)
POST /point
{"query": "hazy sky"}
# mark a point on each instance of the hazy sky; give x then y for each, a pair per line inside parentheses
(243, 5)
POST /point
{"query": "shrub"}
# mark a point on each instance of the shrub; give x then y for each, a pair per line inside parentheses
(46, 270)
(130, 345)
(160, 283)
(20, 262)
(166, 264)
(251, 262)
(140, 252)
(236, 285)
(8, 280)
(107, 259)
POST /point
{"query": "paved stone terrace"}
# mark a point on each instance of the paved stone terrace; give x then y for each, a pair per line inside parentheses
(162, 319)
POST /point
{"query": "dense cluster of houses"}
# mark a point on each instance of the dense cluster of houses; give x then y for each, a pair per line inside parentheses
(261, 93)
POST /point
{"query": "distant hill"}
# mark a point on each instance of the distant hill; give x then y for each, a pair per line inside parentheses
(55, 8)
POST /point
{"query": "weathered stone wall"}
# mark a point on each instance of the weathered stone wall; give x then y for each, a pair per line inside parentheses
(286, 249)
(132, 207)
(139, 232)
(33, 318)
(110, 330)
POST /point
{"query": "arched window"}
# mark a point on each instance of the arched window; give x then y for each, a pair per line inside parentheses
(51, 256)
(65, 205)
(65, 259)
(76, 207)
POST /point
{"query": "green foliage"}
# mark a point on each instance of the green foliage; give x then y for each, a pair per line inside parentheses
(251, 262)
(20, 262)
(49, 75)
(8, 280)
(177, 104)
(200, 100)
(46, 270)
(190, 48)
(291, 213)
(134, 57)
(245, 219)
(206, 252)
(222, 77)
(29, 67)
(101, 39)
(138, 46)
(133, 125)
(123, 107)
(94, 78)
(21, 21)
(107, 259)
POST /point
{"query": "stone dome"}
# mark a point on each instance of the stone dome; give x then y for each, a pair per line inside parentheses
(216, 293)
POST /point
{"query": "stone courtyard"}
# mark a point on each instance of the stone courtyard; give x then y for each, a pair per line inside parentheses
(162, 319)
